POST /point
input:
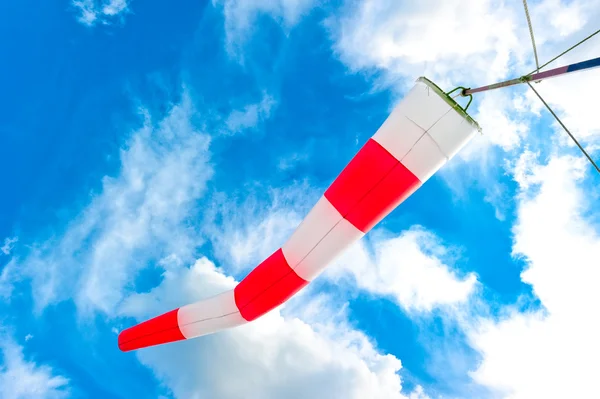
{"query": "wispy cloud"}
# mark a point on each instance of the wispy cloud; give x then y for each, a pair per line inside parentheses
(289, 161)
(250, 116)
(91, 12)
(21, 378)
(8, 276)
(241, 15)
(252, 227)
(9, 244)
(140, 215)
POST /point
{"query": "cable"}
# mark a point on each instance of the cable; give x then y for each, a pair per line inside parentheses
(566, 51)
(537, 63)
(564, 127)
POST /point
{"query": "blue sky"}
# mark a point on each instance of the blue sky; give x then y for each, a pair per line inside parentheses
(153, 155)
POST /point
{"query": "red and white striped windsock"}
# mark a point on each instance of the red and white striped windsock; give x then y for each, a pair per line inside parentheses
(421, 134)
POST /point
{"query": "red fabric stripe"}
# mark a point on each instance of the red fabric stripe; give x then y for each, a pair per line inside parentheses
(267, 286)
(398, 185)
(361, 174)
(159, 330)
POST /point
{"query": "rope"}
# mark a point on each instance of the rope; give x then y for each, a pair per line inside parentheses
(564, 127)
(565, 52)
(537, 63)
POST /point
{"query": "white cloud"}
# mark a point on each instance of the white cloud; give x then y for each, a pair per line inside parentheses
(554, 20)
(7, 278)
(250, 116)
(9, 244)
(92, 12)
(551, 352)
(251, 229)
(504, 126)
(453, 40)
(140, 215)
(407, 268)
(23, 379)
(241, 15)
(296, 356)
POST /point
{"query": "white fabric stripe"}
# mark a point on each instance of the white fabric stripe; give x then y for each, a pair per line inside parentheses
(320, 238)
(451, 133)
(423, 106)
(342, 236)
(209, 315)
(398, 134)
(424, 159)
(319, 221)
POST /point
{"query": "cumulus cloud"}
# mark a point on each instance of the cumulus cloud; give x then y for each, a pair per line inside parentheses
(91, 12)
(296, 356)
(25, 379)
(506, 123)
(407, 268)
(140, 215)
(447, 41)
(553, 351)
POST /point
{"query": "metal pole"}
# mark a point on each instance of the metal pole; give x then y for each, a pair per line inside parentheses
(580, 66)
